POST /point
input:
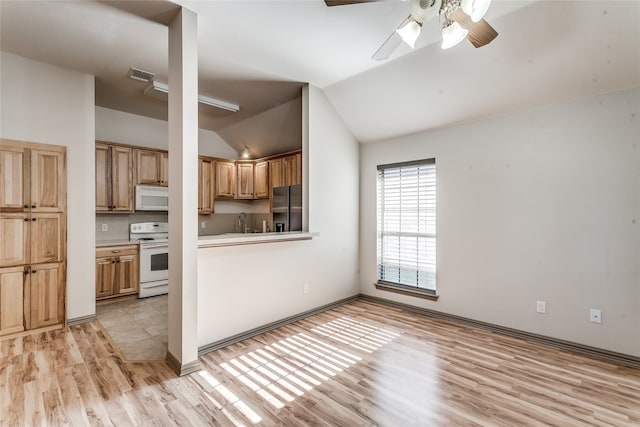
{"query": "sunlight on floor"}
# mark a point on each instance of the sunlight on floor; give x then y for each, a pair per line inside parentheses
(284, 370)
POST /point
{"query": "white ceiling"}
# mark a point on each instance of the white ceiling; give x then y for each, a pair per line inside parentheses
(258, 53)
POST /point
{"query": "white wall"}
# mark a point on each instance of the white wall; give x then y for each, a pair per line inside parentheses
(243, 287)
(537, 205)
(126, 128)
(51, 105)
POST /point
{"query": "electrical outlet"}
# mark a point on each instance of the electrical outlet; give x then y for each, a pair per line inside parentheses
(105, 227)
(305, 288)
(595, 315)
(541, 307)
(203, 224)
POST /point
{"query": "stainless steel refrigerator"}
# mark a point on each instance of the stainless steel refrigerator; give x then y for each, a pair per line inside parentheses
(287, 208)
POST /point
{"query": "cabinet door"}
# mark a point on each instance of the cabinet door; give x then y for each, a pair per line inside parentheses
(261, 180)
(128, 274)
(12, 282)
(245, 181)
(121, 179)
(46, 237)
(291, 175)
(148, 167)
(164, 169)
(47, 295)
(12, 178)
(205, 187)
(14, 239)
(225, 179)
(276, 173)
(103, 179)
(105, 276)
(48, 181)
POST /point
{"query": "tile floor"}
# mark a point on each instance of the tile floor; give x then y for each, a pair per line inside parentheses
(137, 326)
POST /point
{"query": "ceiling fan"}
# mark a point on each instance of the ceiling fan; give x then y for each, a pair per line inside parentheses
(460, 19)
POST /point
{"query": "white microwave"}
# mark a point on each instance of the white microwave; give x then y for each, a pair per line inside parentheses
(150, 198)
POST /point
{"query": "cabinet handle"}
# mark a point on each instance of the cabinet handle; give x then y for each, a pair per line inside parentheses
(34, 271)
(26, 219)
(33, 206)
(113, 262)
(26, 206)
(26, 271)
(34, 219)
(118, 261)
(115, 252)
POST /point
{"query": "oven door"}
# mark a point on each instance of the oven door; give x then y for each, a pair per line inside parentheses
(154, 262)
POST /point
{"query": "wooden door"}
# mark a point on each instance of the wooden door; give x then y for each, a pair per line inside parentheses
(205, 187)
(291, 176)
(46, 237)
(225, 179)
(121, 179)
(164, 169)
(105, 276)
(261, 180)
(148, 167)
(48, 181)
(12, 282)
(128, 274)
(103, 179)
(14, 239)
(47, 295)
(245, 181)
(276, 173)
(13, 166)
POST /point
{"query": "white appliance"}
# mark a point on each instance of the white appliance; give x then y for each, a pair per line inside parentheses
(154, 256)
(150, 198)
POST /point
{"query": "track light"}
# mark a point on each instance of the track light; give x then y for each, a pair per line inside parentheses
(410, 32)
(245, 153)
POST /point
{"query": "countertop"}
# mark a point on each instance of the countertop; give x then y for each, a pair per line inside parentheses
(234, 239)
(115, 242)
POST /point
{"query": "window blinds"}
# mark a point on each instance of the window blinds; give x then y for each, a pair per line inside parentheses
(407, 224)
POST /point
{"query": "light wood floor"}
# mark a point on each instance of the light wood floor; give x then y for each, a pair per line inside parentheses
(359, 364)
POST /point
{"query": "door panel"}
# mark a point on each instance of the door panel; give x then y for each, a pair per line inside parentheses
(46, 238)
(12, 282)
(12, 186)
(48, 176)
(128, 267)
(261, 180)
(122, 179)
(148, 167)
(103, 179)
(47, 295)
(105, 276)
(14, 239)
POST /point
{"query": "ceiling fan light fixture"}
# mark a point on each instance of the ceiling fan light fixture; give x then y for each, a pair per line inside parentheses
(452, 34)
(476, 9)
(410, 32)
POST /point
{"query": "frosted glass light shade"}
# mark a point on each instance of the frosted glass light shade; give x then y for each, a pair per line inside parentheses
(476, 9)
(410, 33)
(452, 35)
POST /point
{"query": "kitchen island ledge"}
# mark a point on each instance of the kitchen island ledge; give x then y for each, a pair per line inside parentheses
(235, 239)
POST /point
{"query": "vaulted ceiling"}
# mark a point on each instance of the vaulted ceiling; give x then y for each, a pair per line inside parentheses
(259, 53)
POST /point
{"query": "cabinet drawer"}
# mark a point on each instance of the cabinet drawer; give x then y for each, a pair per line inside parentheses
(111, 251)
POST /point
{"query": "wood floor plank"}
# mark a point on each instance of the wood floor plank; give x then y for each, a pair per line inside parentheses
(355, 365)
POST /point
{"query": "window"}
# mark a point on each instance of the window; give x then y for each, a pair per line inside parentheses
(407, 226)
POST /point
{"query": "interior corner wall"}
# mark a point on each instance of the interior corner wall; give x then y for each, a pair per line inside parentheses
(537, 205)
(132, 129)
(52, 105)
(244, 287)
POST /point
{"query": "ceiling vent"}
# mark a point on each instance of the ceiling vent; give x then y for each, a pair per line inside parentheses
(141, 75)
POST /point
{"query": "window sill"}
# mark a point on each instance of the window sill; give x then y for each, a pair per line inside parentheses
(406, 290)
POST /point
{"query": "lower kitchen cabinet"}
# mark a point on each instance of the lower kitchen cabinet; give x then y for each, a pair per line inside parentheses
(46, 295)
(117, 271)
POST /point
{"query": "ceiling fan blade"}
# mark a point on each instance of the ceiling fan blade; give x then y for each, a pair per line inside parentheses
(480, 33)
(345, 2)
(390, 44)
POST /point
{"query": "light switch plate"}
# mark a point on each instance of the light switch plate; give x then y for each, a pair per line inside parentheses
(541, 307)
(105, 227)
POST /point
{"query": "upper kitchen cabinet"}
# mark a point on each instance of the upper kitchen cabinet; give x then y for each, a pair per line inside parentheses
(225, 181)
(152, 167)
(261, 180)
(114, 178)
(245, 180)
(34, 178)
(205, 186)
(276, 173)
(292, 165)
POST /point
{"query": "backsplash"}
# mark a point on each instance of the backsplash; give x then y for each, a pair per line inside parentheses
(118, 225)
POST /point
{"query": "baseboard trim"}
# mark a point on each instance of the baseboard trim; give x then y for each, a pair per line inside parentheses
(207, 348)
(81, 320)
(180, 369)
(598, 353)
